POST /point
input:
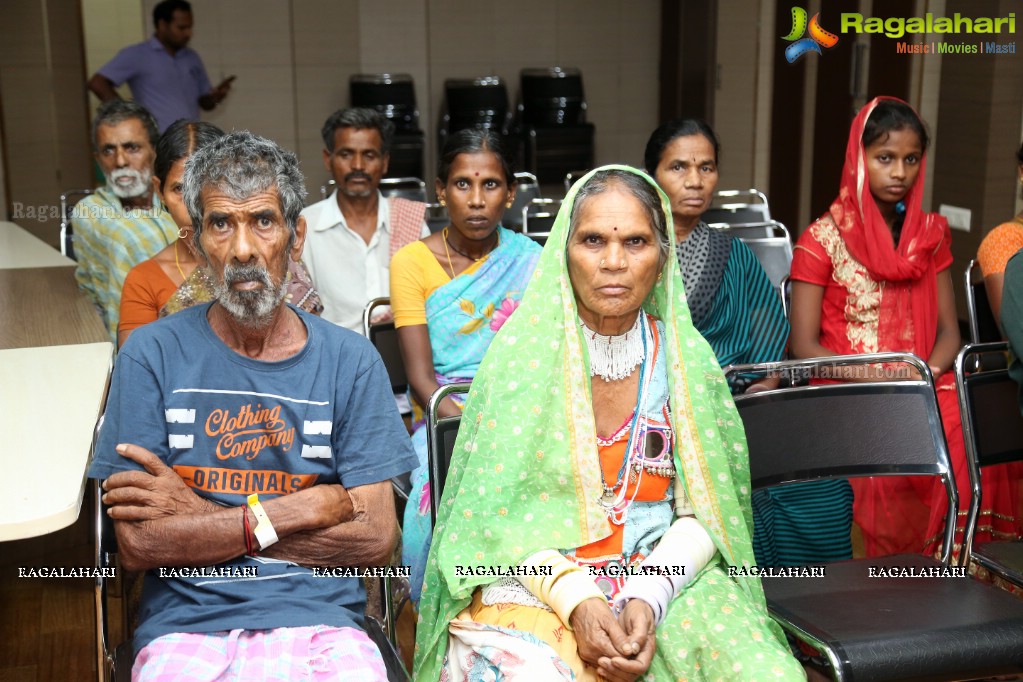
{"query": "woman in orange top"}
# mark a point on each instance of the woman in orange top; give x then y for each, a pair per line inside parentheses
(151, 283)
(998, 247)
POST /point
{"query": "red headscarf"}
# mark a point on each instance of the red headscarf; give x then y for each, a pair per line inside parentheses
(908, 272)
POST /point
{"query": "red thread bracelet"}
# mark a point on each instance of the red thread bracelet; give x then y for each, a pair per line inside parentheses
(247, 531)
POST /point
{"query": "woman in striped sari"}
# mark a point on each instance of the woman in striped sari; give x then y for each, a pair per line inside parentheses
(738, 312)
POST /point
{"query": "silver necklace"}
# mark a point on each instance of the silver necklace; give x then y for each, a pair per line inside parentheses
(612, 358)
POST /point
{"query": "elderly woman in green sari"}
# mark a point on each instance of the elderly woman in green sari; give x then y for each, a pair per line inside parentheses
(596, 517)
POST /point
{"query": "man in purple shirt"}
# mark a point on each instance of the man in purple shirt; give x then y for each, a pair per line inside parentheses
(165, 76)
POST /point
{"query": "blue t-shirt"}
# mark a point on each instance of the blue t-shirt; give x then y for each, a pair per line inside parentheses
(168, 86)
(230, 426)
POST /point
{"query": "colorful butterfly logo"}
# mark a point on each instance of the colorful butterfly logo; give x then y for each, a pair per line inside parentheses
(818, 36)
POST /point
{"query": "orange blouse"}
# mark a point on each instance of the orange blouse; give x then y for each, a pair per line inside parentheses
(146, 289)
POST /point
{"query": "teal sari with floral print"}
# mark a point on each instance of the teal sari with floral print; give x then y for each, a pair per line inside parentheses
(462, 318)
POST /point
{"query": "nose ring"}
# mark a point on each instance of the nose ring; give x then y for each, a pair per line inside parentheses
(603, 262)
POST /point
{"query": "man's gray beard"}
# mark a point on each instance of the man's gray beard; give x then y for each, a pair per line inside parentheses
(249, 308)
(141, 186)
(368, 192)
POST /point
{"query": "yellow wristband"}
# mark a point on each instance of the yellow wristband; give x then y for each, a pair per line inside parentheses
(264, 530)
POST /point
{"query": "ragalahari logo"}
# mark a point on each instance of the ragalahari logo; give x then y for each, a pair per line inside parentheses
(818, 36)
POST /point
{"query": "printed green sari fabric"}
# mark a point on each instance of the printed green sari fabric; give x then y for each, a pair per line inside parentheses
(525, 474)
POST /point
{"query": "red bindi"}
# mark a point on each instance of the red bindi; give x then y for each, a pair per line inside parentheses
(477, 175)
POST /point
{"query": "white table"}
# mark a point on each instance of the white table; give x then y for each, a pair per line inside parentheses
(50, 400)
(55, 362)
(20, 249)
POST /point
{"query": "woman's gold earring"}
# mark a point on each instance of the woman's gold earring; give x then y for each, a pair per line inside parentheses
(442, 202)
(509, 204)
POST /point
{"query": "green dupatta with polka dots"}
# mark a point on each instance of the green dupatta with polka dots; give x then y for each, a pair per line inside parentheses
(525, 474)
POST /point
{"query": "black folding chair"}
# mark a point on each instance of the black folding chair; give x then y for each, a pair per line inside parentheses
(114, 661)
(993, 431)
(867, 625)
(728, 206)
(982, 324)
(384, 338)
(770, 243)
(538, 218)
(440, 442)
(68, 200)
(526, 192)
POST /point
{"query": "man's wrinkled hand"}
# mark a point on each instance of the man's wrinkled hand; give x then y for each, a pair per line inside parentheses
(151, 494)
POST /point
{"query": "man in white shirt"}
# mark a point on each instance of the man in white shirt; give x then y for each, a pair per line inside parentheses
(354, 232)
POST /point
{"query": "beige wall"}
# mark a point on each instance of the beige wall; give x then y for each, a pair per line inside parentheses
(742, 104)
(110, 25)
(293, 59)
(42, 91)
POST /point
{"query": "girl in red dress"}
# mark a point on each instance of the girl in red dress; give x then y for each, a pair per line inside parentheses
(872, 275)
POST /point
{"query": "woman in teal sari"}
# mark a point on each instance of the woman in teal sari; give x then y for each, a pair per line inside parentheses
(450, 293)
(735, 307)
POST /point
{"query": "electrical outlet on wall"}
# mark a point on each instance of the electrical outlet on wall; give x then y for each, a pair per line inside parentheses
(958, 218)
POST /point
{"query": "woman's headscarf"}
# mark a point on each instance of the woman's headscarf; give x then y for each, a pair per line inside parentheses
(525, 472)
(907, 270)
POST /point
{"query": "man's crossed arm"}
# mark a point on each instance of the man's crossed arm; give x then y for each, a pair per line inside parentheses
(160, 521)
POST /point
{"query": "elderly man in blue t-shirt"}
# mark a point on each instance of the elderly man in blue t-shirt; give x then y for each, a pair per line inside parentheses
(247, 443)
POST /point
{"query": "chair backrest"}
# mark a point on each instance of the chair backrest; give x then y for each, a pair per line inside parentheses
(839, 430)
(393, 95)
(786, 294)
(538, 219)
(412, 189)
(983, 328)
(770, 243)
(441, 433)
(527, 190)
(992, 422)
(573, 175)
(552, 97)
(384, 338)
(68, 200)
(437, 217)
(737, 206)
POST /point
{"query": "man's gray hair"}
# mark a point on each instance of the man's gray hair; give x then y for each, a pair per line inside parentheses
(242, 164)
(360, 118)
(117, 110)
(636, 185)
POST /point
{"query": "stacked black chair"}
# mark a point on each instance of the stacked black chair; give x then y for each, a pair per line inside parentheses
(474, 103)
(394, 95)
(552, 121)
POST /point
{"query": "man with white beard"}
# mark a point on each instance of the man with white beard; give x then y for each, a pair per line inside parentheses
(124, 223)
